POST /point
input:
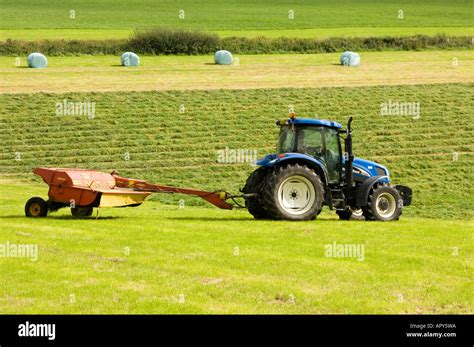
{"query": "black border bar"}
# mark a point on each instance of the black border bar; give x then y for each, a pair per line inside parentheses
(382, 330)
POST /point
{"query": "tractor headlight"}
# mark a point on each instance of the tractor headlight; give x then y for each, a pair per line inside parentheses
(360, 171)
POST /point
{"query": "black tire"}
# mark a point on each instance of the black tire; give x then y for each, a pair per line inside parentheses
(389, 204)
(81, 212)
(350, 214)
(36, 207)
(273, 200)
(253, 185)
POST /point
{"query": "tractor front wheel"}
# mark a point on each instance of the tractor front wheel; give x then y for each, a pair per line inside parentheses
(293, 192)
(384, 204)
(36, 207)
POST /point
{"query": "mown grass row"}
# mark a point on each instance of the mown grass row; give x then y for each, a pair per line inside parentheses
(163, 41)
(143, 135)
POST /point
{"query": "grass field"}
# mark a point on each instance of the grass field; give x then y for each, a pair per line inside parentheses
(103, 73)
(433, 154)
(321, 33)
(109, 19)
(166, 259)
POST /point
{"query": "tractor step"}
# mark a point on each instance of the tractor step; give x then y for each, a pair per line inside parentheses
(338, 199)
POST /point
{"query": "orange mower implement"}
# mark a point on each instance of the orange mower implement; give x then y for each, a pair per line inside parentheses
(82, 190)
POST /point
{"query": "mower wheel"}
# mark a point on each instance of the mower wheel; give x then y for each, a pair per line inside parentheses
(81, 212)
(384, 204)
(293, 192)
(36, 207)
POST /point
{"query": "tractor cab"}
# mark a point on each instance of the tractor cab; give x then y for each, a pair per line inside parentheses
(318, 139)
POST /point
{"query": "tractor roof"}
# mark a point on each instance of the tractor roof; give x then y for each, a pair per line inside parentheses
(320, 122)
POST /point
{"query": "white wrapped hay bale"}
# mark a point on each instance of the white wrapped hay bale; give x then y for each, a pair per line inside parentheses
(37, 61)
(350, 59)
(130, 59)
(223, 57)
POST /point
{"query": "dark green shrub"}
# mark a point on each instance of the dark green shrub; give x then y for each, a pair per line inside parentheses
(172, 41)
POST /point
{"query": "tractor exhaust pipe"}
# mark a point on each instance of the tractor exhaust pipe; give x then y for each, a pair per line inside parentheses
(350, 155)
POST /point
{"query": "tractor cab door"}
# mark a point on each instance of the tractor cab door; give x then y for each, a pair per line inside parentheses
(332, 154)
(322, 143)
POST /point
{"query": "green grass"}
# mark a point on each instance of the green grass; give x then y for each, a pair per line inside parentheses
(184, 260)
(65, 34)
(109, 19)
(320, 33)
(432, 154)
(104, 73)
(323, 33)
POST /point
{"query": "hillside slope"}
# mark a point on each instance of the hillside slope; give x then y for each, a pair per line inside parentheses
(143, 134)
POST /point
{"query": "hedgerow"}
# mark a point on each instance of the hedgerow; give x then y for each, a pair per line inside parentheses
(164, 41)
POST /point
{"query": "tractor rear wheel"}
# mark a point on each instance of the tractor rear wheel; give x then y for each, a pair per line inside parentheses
(293, 192)
(384, 204)
(81, 212)
(36, 207)
(253, 186)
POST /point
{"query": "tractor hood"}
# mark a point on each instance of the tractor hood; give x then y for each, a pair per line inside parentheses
(370, 167)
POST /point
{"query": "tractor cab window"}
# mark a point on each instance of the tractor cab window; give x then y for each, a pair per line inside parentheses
(286, 143)
(332, 154)
(307, 140)
(310, 141)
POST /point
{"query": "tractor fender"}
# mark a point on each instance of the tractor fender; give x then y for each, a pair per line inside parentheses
(363, 193)
(298, 158)
(406, 194)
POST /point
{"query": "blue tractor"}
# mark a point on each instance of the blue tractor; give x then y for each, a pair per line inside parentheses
(311, 169)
